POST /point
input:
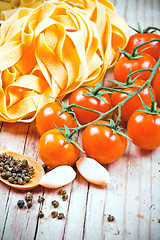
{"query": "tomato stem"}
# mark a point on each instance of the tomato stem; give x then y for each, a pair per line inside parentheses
(134, 52)
(119, 105)
(146, 30)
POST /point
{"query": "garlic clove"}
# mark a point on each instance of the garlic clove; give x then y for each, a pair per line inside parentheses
(58, 177)
(92, 171)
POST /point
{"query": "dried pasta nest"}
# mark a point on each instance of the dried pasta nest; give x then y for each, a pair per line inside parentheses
(54, 48)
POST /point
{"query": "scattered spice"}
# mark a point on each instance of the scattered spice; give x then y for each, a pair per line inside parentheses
(41, 199)
(29, 204)
(54, 214)
(55, 203)
(65, 197)
(111, 218)
(62, 192)
(16, 171)
(29, 197)
(40, 214)
(61, 216)
(20, 203)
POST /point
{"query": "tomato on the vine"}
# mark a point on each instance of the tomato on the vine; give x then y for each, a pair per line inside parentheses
(54, 150)
(91, 102)
(124, 65)
(144, 129)
(101, 143)
(140, 38)
(156, 86)
(48, 117)
(134, 103)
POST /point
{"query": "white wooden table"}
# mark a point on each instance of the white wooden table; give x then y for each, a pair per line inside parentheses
(133, 197)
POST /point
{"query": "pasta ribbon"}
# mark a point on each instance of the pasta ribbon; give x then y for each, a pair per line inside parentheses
(48, 51)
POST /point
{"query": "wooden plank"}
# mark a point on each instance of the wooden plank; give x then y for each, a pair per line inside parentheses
(132, 197)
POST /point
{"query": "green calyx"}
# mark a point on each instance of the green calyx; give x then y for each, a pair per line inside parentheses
(114, 127)
(97, 92)
(145, 30)
(134, 55)
(69, 132)
(70, 138)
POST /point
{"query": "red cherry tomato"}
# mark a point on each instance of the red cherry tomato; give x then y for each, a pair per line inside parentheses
(90, 102)
(144, 129)
(55, 151)
(134, 103)
(100, 143)
(156, 86)
(139, 38)
(124, 65)
(49, 116)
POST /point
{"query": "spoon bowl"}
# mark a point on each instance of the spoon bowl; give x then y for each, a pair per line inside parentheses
(38, 172)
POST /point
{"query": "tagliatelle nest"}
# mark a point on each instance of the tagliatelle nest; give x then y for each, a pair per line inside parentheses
(51, 50)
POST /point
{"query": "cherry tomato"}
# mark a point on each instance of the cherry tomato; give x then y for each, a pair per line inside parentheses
(124, 65)
(139, 38)
(144, 129)
(90, 102)
(134, 103)
(49, 116)
(100, 143)
(55, 151)
(156, 86)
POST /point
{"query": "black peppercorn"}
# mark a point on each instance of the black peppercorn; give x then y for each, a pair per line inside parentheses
(20, 203)
(4, 175)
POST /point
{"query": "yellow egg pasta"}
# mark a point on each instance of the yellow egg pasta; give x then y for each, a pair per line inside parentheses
(48, 51)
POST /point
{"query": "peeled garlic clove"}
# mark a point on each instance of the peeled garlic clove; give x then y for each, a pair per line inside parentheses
(58, 177)
(92, 171)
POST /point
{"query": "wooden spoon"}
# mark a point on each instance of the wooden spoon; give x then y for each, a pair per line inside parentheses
(38, 172)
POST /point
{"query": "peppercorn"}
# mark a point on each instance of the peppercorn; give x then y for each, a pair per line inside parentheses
(60, 216)
(62, 192)
(20, 203)
(29, 204)
(54, 214)
(55, 203)
(26, 179)
(20, 181)
(4, 175)
(17, 169)
(11, 179)
(40, 214)
(65, 197)
(1, 169)
(24, 163)
(111, 218)
(41, 199)
(29, 197)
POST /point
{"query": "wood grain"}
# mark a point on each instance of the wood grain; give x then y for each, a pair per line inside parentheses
(133, 197)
